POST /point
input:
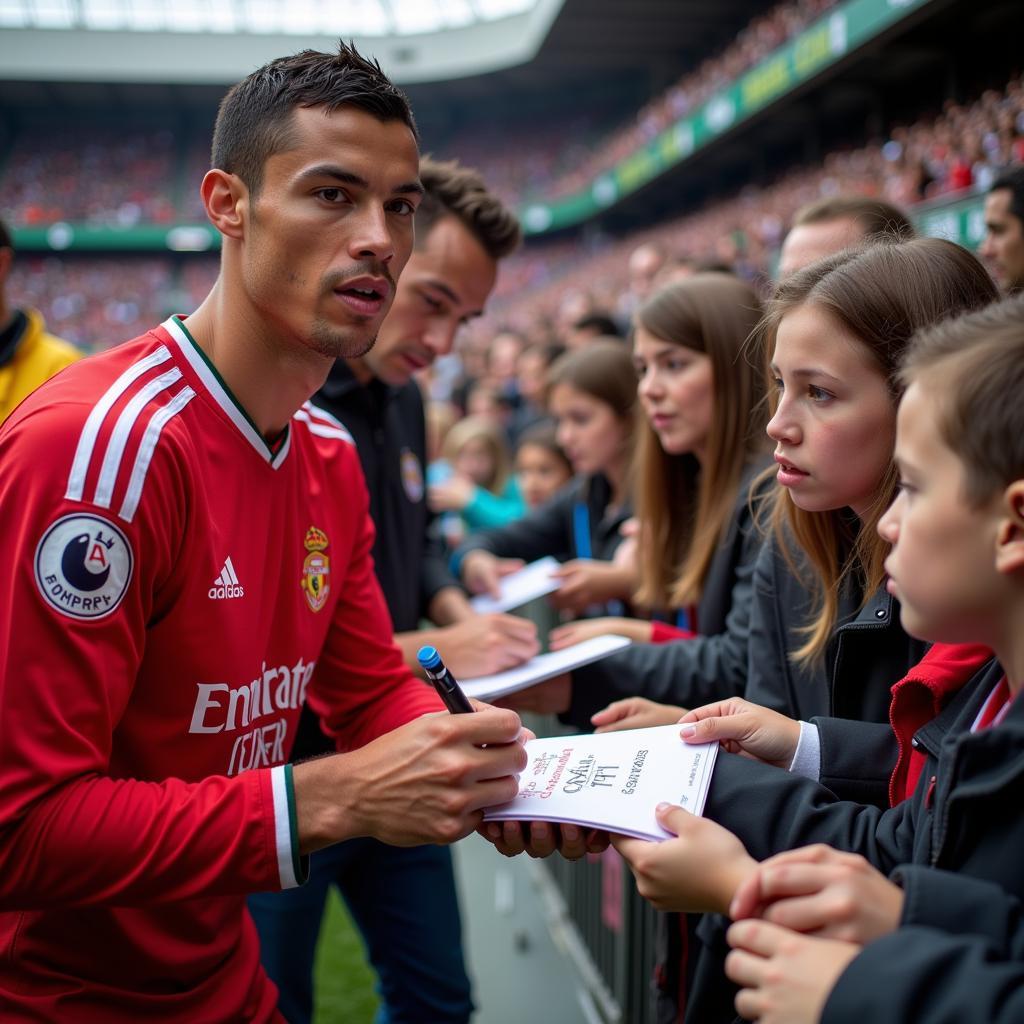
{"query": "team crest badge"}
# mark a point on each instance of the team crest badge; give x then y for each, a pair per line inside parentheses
(412, 476)
(316, 569)
(83, 566)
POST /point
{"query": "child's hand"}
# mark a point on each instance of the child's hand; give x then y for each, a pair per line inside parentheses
(585, 582)
(635, 713)
(784, 978)
(822, 892)
(638, 630)
(698, 871)
(744, 728)
(482, 571)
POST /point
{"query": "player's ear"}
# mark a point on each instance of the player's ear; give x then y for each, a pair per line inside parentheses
(1010, 535)
(226, 199)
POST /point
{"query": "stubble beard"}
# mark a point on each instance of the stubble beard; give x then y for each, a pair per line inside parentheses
(338, 343)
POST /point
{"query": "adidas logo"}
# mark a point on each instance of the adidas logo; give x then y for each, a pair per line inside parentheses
(226, 585)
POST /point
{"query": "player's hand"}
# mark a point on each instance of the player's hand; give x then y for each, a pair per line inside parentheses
(543, 838)
(572, 633)
(698, 871)
(486, 644)
(635, 713)
(822, 892)
(453, 495)
(784, 978)
(425, 782)
(744, 728)
(551, 697)
(482, 572)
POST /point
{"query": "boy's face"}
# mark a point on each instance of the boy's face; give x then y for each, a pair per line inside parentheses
(942, 567)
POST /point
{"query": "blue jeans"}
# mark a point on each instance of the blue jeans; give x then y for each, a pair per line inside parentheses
(404, 903)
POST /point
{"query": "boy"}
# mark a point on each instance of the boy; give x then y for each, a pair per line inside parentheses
(957, 566)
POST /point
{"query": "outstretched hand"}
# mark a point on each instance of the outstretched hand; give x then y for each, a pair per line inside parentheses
(744, 728)
(697, 871)
(635, 713)
(823, 892)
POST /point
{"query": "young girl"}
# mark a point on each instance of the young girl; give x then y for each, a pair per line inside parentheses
(542, 468)
(825, 637)
(591, 396)
(480, 487)
(700, 450)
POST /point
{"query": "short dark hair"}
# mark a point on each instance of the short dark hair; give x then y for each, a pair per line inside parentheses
(976, 362)
(600, 323)
(456, 191)
(878, 218)
(1013, 179)
(255, 118)
(6, 242)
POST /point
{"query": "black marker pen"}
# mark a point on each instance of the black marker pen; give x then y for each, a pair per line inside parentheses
(443, 681)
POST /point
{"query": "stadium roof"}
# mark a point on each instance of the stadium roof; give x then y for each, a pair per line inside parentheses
(302, 17)
(222, 40)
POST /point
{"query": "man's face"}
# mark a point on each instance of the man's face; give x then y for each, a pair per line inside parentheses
(1003, 247)
(446, 282)
(942, 566)
(808, 243)
(331, 228)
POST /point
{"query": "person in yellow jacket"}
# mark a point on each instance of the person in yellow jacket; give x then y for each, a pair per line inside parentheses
(28, 354)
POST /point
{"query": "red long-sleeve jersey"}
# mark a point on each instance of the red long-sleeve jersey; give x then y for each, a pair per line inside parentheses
(173, 588)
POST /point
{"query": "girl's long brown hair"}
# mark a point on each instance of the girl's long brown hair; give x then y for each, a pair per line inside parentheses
(685, 508)
(882, 294)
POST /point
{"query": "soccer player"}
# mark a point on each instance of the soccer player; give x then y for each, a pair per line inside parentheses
(187, 552)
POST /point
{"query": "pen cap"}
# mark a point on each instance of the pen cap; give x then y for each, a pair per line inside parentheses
(428, 657)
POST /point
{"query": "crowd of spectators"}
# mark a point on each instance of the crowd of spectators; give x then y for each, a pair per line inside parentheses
(95, 303)
(961, 148)
(102, 176)
(546, 284)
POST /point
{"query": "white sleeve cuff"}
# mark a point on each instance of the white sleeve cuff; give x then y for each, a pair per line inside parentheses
(290, 865)
(807, 758)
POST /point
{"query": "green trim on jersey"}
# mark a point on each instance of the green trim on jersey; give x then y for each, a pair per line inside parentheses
(279, 442)
(300, 864)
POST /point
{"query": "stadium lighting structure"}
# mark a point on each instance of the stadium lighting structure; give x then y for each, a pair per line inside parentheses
(259, 17)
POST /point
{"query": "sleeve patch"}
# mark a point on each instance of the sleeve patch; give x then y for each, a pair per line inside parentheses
(83, 566)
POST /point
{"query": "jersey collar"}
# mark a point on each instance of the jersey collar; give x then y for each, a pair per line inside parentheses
(221, 394)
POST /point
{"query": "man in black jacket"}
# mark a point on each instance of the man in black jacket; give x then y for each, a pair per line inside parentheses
(404, 900)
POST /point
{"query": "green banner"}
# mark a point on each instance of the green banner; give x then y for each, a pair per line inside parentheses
(962, 220)
(833, 36)
(64, 237)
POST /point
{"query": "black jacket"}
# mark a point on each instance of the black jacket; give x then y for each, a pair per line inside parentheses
(388, 428)
(845, 694)
(553, 528)
(963, 817)
(958, 955)
(688, 672)
(929, 977)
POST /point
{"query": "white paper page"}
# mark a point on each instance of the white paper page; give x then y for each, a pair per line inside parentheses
(612, 781)
(544, 666)
(533, 580)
